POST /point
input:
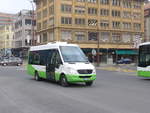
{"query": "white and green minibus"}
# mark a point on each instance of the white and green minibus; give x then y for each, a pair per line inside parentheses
(144, 60)
(61, 62)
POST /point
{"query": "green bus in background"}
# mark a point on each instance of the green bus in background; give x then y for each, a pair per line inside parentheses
(143, 68)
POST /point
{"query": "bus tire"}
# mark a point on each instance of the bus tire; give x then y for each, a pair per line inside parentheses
(4, 64)
(36, 76)
(63, 81)
(89, 83)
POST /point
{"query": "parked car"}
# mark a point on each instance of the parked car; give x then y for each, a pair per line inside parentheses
(11, 61)
(124, 61)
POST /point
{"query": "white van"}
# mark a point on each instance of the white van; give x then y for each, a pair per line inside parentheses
(60, 62)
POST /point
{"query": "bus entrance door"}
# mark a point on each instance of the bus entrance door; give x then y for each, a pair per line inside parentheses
(50, 67)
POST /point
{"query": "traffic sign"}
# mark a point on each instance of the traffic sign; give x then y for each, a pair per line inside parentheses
(93, 52)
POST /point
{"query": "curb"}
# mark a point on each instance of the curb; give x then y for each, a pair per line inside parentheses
(115, 69)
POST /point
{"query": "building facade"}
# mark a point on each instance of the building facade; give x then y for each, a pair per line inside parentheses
(24, 30)
(147, 22)
(6, 39)
(115, 24)
(7, 19)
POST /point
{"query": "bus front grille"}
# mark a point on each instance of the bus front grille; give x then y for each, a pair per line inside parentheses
(85, 71)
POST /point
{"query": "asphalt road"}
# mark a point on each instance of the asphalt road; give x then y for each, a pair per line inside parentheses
(112, 92)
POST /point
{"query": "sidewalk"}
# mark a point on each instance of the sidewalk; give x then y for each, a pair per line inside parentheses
(119, 67)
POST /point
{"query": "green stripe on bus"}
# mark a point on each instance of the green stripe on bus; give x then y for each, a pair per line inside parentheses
(144, 73)
(31, 70)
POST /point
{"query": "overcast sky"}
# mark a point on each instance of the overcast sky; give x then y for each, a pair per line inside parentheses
(14, 6)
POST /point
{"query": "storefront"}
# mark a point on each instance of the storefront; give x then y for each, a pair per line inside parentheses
(131, 54)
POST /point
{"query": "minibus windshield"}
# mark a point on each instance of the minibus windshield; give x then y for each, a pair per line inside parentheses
(72, 54)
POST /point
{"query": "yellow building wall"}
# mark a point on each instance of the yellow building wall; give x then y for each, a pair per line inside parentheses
(58, 27)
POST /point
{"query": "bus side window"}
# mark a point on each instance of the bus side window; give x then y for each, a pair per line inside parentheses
(58, 58)
(55, 58)
(37, 59)
(31, 57)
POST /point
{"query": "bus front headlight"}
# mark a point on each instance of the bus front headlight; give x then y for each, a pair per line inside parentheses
(94, 71)
(72, 71)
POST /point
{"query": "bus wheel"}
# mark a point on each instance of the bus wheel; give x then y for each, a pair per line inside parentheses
(63, 81)
(4, 64)
(89, 83)
(36, 76)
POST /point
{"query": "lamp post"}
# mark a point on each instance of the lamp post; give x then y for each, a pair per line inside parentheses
(98, 61)
(32, 22)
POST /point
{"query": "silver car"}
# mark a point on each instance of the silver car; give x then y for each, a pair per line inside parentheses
(11, 61)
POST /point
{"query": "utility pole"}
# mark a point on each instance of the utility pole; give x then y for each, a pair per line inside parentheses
(98, 61)
(33, 33)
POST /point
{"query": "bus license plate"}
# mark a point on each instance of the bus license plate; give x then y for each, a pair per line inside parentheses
(86, 79)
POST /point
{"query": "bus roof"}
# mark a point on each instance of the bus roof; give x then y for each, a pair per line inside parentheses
(50, 46)
(145, 43)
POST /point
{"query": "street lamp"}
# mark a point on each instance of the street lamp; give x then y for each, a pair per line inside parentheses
(98, 41)
(32, 14)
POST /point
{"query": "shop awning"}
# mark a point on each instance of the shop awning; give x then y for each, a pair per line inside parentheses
(126, 52)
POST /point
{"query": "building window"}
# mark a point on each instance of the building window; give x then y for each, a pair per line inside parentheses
(51, 36)
(44, 37)
(126, 25)
(92, 1)
(116, 2)
(45, 24)
(44, 13)
(38, 26)
(126, 14)
(104, 12)
(126, 4)
(92, 11)
(80, 36)
(38, 5)
(92, 36)
(51, 21)
(79, 10)
(105, 2)
(66, 8)
(79, 21)
(38, 15)
(137, 5)
(28, 21)
(116, 37)
(92, 22)
(104, 24)
(66, 35)
(44, 2)
(137, 26)
(81, 0)
(137, 16)
(116, 25)
(116, 13)
(137, 38)
(50, 1)
(126, 37)
(51, 10)
(104, 36)
(66, 20)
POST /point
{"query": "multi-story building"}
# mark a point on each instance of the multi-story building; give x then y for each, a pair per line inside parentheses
(24, 30)
(147, 22)
(115, 23)
(7, 19)
(6, 38)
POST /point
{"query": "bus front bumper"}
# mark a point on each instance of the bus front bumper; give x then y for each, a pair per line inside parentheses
(80, 78)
